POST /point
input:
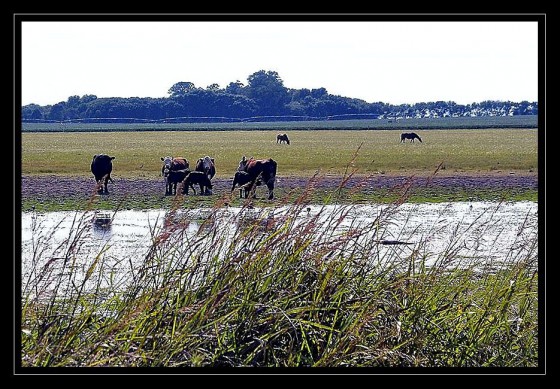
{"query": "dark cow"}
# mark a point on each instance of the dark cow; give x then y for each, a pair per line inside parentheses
(245, 182)
(281, 138)
(264, 169)
(199, 178)
(101, 167)
(170, 164)
(207, 166)
(411, 136)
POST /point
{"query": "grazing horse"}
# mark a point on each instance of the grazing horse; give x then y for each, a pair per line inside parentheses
(411, 136)
(174, 170)
(101, 167)
(264, 169)
(281, 138)
(199, 178)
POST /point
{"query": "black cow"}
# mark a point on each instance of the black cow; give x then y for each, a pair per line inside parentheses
(411, 136)
(264, 169)
(170, 165)
(199, 178)
(281, 138)
(101, 167)
(245, 182)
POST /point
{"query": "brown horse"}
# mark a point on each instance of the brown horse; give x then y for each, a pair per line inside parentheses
(411, 136)
(281, 138)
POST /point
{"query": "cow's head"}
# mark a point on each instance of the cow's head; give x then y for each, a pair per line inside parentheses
(167, 162)
(243, 164)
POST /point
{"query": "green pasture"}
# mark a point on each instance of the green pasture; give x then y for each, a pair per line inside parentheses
(328, 151)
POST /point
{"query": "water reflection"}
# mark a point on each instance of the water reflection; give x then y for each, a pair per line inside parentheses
(486, 230)
(102, 231)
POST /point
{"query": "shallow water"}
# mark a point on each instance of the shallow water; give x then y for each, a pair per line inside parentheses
(489, 232)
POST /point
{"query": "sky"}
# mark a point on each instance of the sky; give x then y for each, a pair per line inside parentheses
(391, 62)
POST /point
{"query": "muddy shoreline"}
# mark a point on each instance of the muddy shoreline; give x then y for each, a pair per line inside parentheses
(51, 187)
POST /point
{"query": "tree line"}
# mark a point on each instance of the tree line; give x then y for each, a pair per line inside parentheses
(263, 98)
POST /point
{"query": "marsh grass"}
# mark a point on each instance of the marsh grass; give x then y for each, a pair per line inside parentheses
(279, 290)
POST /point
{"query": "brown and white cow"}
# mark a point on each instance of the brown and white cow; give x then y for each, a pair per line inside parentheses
(101, 167)
(174, 170)
(208, 167)
(264, 169)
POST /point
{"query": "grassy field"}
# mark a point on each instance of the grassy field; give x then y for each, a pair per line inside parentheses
(138, 153)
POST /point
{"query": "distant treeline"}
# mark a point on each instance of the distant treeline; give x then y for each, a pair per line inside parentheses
(264, 98)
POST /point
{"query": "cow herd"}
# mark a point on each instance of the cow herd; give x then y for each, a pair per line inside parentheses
(251, 173)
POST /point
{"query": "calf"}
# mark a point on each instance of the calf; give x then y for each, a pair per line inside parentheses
(199, 178)
(245, 182)
(172, 178)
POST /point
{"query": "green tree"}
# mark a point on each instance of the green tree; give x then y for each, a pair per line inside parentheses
(213, 87)
(267, 89)
(235, 88)
(57, 111)
(181, 88)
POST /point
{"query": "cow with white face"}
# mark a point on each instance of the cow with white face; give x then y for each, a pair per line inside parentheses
(206, 165)
(174, 170)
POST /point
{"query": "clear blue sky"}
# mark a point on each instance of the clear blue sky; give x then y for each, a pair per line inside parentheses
(392, 62)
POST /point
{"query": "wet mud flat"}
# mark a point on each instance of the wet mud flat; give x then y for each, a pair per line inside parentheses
(147, 193)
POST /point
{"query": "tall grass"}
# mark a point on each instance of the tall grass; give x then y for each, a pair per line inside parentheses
(278, 290)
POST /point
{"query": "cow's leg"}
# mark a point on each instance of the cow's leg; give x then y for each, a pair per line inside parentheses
(270, 186)
(105, 185)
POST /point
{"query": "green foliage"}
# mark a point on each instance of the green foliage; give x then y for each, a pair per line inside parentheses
(264, 97)
(181, 88)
